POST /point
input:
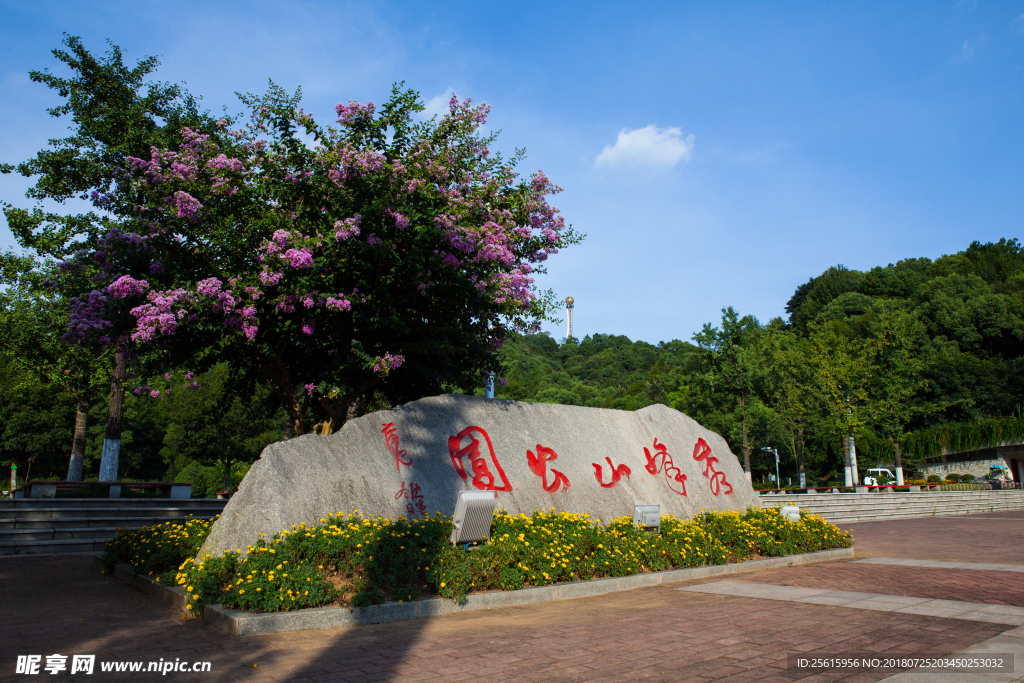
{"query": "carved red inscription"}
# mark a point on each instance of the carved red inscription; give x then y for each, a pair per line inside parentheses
(676, 479)
(390, 433)
(414, 495)
(538, 465)
(483, 478)
(702, 451)
(617, 473)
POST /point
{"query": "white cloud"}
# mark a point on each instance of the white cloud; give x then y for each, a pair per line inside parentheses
(437, 105)
(653, 147)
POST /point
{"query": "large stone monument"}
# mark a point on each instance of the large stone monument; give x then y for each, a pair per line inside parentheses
(413, 460)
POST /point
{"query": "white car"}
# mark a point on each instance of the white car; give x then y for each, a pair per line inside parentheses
(875, 472)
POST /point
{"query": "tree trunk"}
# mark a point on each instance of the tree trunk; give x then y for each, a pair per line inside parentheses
(227, 475)
(846, 461)
(77, 465)
(746, 437)
(112, 439)
(853, 461)
(289, 427)
(14, 478)
(800, 456)
(899, 463)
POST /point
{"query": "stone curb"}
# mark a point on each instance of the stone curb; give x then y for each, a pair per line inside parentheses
(237, 623)
(169, 595)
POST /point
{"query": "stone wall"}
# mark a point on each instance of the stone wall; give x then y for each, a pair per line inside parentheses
(413, 460)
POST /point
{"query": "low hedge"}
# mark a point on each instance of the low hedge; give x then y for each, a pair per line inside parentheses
(159, 548)
(353, 561)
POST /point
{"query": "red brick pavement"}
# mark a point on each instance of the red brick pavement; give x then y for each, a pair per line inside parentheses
(997, 588)
(62, 605)
(987, 537)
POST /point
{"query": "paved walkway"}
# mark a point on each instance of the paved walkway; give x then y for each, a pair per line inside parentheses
(62, 605)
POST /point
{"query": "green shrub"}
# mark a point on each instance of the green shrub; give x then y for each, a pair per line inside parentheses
(157, 549)
(967, 478)
(357, 562)
(934, 479)
(208, 481)
(952, 477)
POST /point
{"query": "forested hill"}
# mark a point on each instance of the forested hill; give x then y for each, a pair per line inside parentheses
(894, 355)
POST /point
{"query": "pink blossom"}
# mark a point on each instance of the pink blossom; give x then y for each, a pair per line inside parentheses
(155, 393)
(401, 222)
(188, 206)
(339, 304)
(346, 228)
(209, 287)
(298, 258)
(373, 240)
(269, 278)
(389, 362)
(126, 286)
(308, 326)
(310, 388)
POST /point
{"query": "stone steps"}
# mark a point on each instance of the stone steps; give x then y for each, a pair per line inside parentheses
(861, 507)
(83, 525)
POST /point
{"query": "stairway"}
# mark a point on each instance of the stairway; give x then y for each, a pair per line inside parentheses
(83, 525)
(865, 507)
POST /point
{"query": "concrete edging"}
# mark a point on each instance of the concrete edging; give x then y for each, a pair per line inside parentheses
(237, 623)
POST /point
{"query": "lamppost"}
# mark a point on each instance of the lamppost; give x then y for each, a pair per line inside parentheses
(778, 480)
(568, 312)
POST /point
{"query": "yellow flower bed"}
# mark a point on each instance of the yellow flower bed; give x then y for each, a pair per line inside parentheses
(354, 561)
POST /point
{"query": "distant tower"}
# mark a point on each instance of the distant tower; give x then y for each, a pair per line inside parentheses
(568, 311)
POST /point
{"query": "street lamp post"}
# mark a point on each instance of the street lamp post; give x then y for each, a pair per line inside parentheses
(778, 480)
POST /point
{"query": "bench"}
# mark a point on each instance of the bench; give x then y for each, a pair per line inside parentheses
(48, 489)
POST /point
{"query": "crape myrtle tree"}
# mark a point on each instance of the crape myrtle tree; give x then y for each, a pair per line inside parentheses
(33, 318)
(115, 114)
(377, 261)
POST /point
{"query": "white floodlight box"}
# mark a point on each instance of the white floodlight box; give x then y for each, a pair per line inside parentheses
(648, 517)
(473, 514)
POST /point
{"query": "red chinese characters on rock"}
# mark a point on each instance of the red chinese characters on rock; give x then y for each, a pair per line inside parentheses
(483, 478)
(617, 473)
(414, 495)
(702, 451)
(673, 476)
(538, 465)
(390, 433)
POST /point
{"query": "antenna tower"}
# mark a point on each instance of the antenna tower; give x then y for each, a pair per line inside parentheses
(568, 312)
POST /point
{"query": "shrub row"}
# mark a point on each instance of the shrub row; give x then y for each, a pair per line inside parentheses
(354, 561)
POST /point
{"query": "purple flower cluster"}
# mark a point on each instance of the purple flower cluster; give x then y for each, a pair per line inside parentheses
(352, 113)
(188, 206)
(126, 286)
(389, 362)
(157, 317)
(87, 320)
(401, 222)
(346, 228)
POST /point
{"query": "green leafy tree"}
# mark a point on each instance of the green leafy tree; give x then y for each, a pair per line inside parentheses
(115, 114)
(33, 319)
(214, 422)
(789, 385)
(730, 368)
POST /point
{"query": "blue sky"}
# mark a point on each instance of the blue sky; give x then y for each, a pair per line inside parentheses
(714, 153)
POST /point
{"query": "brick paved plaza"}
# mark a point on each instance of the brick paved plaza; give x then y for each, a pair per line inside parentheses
(54, 604)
